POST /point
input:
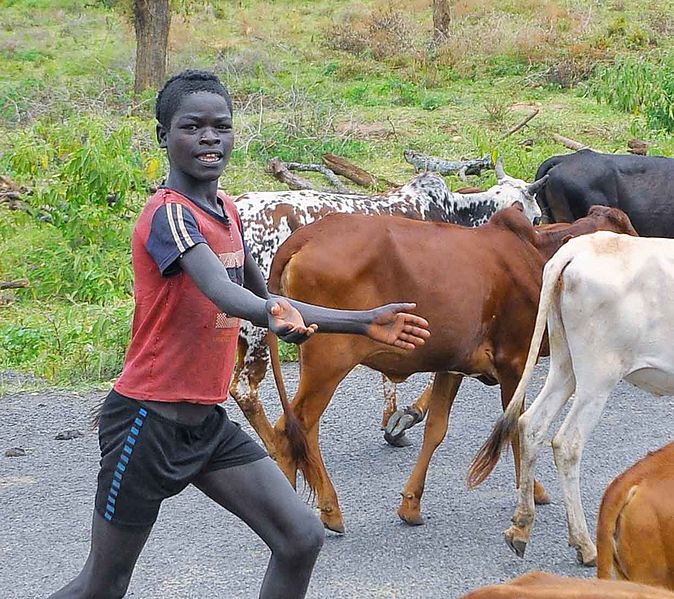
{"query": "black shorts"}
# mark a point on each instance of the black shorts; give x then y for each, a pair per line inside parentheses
(146, 458)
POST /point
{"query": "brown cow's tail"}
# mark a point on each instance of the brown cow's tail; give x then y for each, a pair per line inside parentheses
(613, 503)
(272, 343)
(294, 429)
(506, 426)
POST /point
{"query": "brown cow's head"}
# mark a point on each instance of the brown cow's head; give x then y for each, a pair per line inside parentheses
(549, 238)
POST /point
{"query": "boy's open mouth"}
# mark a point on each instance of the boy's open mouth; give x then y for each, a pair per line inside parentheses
(209, 157)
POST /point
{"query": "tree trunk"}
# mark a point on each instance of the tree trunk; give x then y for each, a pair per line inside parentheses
(441, 20)
(152, 19)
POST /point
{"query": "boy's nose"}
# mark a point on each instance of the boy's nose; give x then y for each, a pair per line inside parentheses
(209, 136)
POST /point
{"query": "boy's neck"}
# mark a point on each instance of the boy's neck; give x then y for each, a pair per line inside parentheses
(202, 192)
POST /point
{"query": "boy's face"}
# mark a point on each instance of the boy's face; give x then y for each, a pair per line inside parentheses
(199, 142)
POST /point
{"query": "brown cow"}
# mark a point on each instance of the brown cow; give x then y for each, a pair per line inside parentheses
(635, 531)
(478, 288)
(541, 585)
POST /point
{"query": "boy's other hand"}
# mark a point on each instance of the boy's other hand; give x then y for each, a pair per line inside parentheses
(392, 326)
(287, 323)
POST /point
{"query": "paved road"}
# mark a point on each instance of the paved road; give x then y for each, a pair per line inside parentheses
(198, 551)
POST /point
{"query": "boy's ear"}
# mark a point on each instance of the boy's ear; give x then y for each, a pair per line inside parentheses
(161, 135)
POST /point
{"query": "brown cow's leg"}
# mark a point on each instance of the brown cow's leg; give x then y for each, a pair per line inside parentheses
(251, 368)
(509, 381)
(445, 387)
(324, 362)
(331, 513)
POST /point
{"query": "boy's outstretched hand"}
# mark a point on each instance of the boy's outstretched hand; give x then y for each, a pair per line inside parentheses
(392, 326)
(287, 323)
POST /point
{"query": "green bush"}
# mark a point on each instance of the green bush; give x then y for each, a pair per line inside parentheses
(88, 181)
(640, 87)
(66, 344)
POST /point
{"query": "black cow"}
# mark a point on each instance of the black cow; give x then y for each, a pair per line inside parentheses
(641, 186)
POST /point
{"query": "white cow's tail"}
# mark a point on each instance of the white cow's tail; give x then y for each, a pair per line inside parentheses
(506, 426)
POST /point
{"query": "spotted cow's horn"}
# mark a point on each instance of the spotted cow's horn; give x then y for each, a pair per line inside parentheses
(537, 185)
(499, 170)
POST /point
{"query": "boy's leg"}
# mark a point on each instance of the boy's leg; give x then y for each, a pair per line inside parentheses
(112, 557)
(262, 497)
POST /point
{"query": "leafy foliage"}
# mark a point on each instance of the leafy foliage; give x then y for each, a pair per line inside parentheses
(639, 86)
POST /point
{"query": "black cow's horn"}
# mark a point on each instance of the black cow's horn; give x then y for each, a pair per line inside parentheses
(498, 169)
(537, 185)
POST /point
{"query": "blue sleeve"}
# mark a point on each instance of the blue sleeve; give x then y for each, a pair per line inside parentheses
(174, 230)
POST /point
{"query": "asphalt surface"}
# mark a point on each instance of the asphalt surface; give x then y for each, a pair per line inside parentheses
(197, 550)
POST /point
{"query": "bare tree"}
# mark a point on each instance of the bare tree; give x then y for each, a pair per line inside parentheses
(151, 19)
(441, 20)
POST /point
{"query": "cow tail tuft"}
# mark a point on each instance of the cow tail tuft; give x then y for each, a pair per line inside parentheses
(506, 426)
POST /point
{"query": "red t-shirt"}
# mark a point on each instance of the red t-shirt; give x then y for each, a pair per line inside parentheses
(182, 347)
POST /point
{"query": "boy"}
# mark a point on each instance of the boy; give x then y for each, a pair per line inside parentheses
(160, 427)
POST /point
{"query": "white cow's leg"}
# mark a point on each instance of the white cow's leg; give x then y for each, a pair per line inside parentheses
(402, 420)
(251, 369)
(533, 428)
(590, 400)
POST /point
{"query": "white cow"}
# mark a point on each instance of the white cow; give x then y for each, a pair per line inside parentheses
(269, 218)
(609, 304)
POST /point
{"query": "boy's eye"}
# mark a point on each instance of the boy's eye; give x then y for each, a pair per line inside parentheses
(190, 127)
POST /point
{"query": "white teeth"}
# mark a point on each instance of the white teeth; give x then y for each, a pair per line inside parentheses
(209, 157)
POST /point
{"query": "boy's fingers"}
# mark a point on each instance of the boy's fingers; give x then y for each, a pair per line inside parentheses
(413, 319)
(417, 331)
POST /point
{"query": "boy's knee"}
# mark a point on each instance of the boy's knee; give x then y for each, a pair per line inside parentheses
(310, 540)
(305, 542)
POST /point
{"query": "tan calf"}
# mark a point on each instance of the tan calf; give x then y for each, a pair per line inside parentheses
(541, 585)
(635, 532)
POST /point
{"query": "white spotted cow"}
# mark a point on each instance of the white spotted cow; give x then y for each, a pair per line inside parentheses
(607, 300)
(270, 217)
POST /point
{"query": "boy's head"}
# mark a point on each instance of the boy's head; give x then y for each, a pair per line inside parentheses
(194, 125)
(187, 82)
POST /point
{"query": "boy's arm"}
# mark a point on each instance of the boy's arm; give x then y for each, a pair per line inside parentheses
(381, 324)
(253, 279)
(286, 318)
(211, 277)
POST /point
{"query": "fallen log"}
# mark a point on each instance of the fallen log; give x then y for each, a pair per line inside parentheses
(570, 143)
(422, 162)
(279, 170)
(319, 168)
(341, 166)
(14, 284)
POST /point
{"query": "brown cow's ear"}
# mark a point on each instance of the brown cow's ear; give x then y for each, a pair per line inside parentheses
(519, 206)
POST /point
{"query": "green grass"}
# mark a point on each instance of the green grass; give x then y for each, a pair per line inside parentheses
(307, 77)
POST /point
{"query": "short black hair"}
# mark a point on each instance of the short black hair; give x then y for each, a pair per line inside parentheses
(189, 81)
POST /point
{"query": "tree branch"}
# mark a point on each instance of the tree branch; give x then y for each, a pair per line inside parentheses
(523, 123)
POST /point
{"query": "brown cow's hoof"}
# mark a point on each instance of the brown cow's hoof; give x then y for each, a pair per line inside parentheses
(398, 423)
(332, 520)
(541, 496)
(338, 528)
(413, 518)
(517, 545)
